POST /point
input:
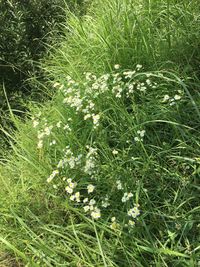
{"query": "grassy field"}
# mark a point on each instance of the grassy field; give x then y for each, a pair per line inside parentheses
(106, 173)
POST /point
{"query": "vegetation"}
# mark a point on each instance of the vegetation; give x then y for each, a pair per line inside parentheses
(26, 30)
(106, 173)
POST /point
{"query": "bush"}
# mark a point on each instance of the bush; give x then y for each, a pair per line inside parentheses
(26, 27)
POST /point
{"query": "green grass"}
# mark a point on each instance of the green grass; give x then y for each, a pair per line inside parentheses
(39, 224)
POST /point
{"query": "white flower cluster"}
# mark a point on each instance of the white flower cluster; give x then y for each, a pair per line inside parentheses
(140, 136)
(172, 100)
(119, 83)
(82, 100)
(105, 202)
(69, 160)
(35, 120)
(134, 212)
(95, 212)
(70, 186)
(114, 225)
(41, 134)
(90, 163)
(119, 185)
(126, 197)
(81, 103)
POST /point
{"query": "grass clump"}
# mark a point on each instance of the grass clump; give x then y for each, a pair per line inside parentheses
(106, 173)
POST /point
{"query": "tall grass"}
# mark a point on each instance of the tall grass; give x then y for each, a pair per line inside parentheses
(156, 34)
(140, 137)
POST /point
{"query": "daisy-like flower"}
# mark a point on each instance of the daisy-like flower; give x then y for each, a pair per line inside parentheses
(177, 97)
(116, 66)
(138, 66)
(166, 98)
(92, 202)
(87, 116)
(72, 185)
(115, 152)
(96, 119)
(113, 219)
(90, 188)
(96, 213)
(85, 200)
(72, 197)
(69, 189)
(114, 225)
(141, 133)
(86, 208)
(131, 223)
(137, 139)
(77, 196)
(134, 212)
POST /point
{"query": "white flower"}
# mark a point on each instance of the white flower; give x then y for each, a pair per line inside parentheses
(91, 207)
(137, 139)
(141, 133)
(177, 97)
(128, 74)
(113, 219)
(41, 135)
(86, 208)
(40, 144)
(115, 152)
(85, 200)
(119, 185)
(134, 212)
(116, 66)
(87, 116)
(166, 98)
(35, 123)
(72, 197)
(126, 197)
(92, 202)
(58, 124)
(96, 119)
(69, 189)
(96, 213)
(77, 196)
(148, 81)
(138, 66)
(90, 188)
(47, 130)
(66, 127)
(52, 143)
(105, 204)
(130, 195)
(72, 185)
(131, 223)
